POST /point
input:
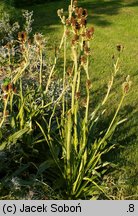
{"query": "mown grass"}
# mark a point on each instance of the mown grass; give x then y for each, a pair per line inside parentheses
(115, 23)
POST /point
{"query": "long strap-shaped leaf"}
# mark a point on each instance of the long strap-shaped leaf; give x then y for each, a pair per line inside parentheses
(93, 182)
(48, 140)
(13, 138)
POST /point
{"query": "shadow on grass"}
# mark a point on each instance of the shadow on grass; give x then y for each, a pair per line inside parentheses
(125, 135)
(45, 15)
(124, 155)
(99, 10)
(46, 20)
(133, 4)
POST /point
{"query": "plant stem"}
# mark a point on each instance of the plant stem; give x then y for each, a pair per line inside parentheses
(4, 111)
(116, 68)
(55, 62)
(64, 72)
(115, 115)
(119, 106)
(41, 64)
(74, 78)
(68, 145)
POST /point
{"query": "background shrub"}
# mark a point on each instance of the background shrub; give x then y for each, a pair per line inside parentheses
(20, 3)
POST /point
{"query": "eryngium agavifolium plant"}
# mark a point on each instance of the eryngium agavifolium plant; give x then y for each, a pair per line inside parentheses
(80, 159)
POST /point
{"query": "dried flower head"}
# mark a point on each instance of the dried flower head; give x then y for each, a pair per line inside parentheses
(83, 60)
(38, 39)
(83, 22)
(60, 12)
(67, 32)
(86, 50)
(22, 36)
(76, 11)
(76, 37)
(77, 95)
(73, 42)
(89, 33)
(83, 102)
(75, 2)
(113, 57)
(68, 22)
(126, 85)
(69, 71)
(85, 13)
(80, 11)
(10, 87)
(5, 95)
(77, 25)
(88, 84)
(120, 47)
(8, 45)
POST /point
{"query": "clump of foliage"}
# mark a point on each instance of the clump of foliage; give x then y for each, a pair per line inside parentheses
(20, 3)
(48, 126)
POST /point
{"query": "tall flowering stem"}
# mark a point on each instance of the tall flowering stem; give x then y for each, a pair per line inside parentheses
(79, 36)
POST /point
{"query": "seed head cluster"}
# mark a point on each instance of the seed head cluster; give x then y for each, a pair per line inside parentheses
(78, 24)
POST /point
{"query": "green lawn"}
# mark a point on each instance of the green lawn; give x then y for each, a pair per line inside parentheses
(115, 22)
